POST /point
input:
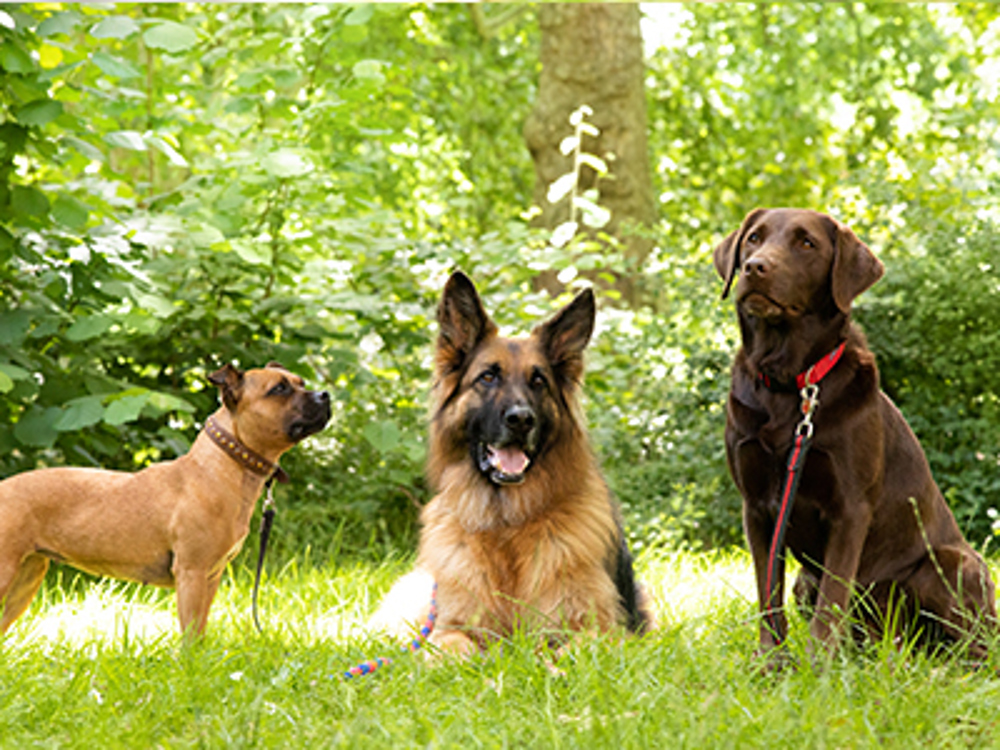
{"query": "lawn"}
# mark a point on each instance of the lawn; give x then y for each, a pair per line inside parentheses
(100, 665)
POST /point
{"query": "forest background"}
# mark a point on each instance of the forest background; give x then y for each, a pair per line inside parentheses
(186, 185)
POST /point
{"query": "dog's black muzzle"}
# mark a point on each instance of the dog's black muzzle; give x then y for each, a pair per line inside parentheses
(315, 414)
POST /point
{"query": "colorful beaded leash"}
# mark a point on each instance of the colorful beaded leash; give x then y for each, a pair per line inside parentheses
(367, 667)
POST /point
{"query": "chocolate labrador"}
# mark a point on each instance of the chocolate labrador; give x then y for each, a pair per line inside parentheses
(867, 519)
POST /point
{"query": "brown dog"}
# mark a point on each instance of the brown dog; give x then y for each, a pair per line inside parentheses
(523, 531)
(173, 524)
(854, 522)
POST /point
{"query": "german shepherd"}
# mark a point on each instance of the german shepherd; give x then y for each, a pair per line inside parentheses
(523, 531)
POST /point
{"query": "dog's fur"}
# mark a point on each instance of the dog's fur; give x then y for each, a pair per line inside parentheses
(173, 524)
(854, 522)
(523, 531)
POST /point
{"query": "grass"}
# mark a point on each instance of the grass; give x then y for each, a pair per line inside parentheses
(100, 665)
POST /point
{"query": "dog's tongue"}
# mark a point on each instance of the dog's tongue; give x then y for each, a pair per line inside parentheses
(510, 460)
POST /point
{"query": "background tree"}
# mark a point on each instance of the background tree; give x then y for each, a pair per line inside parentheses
(591, 54)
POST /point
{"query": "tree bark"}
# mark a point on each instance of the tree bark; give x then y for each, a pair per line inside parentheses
(592, 54)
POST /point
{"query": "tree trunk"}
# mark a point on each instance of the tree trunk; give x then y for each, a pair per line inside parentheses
(592, 54)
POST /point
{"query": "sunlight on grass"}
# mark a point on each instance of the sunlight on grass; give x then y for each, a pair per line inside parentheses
(685, 586)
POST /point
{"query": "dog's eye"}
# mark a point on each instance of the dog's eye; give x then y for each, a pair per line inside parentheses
(538, 380)
(806, 242)
(753, 238)
(281, 389)
(488, 378)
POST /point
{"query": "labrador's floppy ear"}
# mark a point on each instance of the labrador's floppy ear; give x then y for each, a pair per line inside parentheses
(727, 253)
(855, 267)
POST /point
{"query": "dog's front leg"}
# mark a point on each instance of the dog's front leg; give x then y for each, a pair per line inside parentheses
(195, 592)
(840, 568)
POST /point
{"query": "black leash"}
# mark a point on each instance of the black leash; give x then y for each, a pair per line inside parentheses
(265, 532)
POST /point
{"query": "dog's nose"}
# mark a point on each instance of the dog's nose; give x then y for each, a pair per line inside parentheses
(755, 267)
(519, 417)
(323, 397)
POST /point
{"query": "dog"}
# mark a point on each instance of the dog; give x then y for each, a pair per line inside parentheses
(867, 516)
(175, 524)
(523, 531)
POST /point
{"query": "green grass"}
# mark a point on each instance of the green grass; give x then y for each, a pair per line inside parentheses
(100, 665)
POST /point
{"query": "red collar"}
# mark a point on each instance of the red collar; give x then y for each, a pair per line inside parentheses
(811, 376)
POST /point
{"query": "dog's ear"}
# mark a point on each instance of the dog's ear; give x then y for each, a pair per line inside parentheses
(855, 267)
(276, 366)
(230, 382)
(566, 334)
(727, 253)
(462, 322)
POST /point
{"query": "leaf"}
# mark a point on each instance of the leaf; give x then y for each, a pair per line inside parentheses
(38, 112)
(114, 27)
(167, 402)
(69, 212)
(360, 14)
(13, 58)
(125, 408)
(83, 147)
(80, 413)
(383, 436)
(36, 428)
(114, 66)
(159, 306)
(563, 233)
(129, 139)
(255, 253)
(561, 187)
(568, 145)
(592, 214)
(14, 372)
(5, 382)
(369, 70)
(594, 162)
(14, 327)
(28, 200)
(59, 23)
(286, 163)
(167, 150)
(170, 36)
(89, 327)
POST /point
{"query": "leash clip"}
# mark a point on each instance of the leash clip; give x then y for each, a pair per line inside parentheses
(810, 400)
(269, 499)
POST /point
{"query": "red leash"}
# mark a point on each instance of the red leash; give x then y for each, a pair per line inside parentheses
(808, 385)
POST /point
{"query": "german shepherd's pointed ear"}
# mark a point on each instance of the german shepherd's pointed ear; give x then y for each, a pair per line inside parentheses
(727, 253)
(566, 334)
(462, 323)
(230, 382)
(855, 267)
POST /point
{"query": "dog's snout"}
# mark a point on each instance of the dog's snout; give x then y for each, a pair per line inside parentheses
(519, 417)
(755, 266)
(321, 397)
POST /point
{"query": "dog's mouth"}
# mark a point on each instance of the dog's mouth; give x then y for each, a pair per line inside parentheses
(503, 464)
(761, 305)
